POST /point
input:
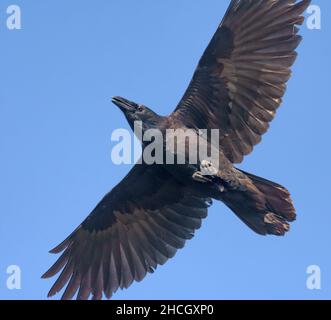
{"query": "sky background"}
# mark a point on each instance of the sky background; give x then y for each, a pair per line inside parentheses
(57, 77)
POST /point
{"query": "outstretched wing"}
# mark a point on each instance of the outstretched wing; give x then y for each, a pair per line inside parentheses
(140, 224)
(241, 78)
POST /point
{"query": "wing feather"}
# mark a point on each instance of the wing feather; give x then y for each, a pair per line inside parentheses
(139, 225)
(241, 78)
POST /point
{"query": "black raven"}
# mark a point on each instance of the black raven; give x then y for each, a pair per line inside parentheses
(236, 88)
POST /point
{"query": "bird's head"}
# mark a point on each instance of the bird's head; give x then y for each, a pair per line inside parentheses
(137, 112)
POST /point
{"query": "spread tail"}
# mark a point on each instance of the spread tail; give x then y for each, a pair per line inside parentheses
(266, 207)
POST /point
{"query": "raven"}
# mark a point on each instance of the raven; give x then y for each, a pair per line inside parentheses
(237, 88)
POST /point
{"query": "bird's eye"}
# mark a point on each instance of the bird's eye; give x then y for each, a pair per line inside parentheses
(140, 108)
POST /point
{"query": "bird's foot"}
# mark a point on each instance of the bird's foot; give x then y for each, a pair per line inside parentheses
(207, 168)
(199, 177)
(207, 171)
(208, 174)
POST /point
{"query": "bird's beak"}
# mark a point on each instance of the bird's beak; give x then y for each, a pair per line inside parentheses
(124, 104)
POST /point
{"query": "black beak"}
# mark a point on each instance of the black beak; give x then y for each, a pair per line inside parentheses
(124, 104)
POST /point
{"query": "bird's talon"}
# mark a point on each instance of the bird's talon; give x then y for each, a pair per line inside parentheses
(198, 176)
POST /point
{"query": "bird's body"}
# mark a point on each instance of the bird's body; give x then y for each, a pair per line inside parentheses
(236, 89)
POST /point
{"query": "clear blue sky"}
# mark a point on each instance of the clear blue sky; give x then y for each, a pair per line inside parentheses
(57, 77)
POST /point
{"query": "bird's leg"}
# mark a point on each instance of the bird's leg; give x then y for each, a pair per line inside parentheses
(208, 174)
(207, 168)
(198, 176)
(207, 171)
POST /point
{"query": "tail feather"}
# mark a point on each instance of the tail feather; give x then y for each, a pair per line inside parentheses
(278, 197)
(266, 207)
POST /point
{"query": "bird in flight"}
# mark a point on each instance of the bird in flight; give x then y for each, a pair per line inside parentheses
(237, 88)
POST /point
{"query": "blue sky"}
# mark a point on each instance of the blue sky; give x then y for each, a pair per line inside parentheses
(57, 77)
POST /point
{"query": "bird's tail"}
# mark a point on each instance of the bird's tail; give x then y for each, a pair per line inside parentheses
(266, 207)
